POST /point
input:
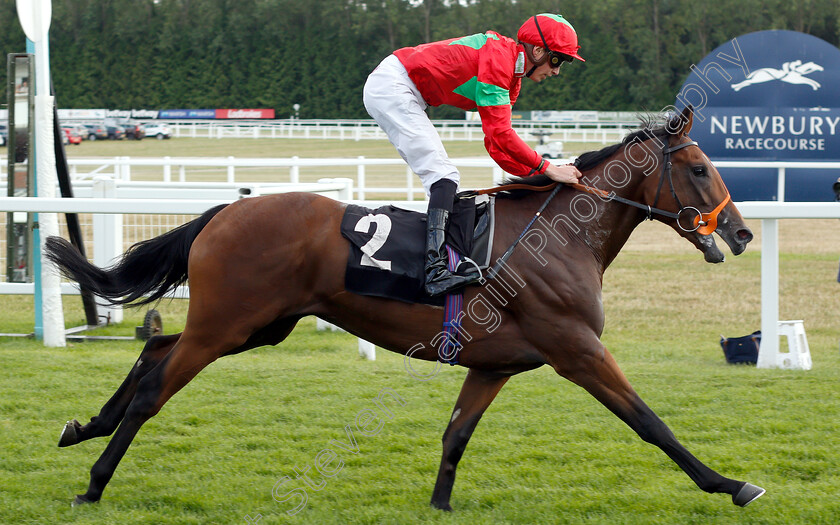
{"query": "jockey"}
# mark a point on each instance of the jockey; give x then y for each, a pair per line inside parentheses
(482, 71)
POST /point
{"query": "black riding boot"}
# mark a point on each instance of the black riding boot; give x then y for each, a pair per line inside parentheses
(439, 280)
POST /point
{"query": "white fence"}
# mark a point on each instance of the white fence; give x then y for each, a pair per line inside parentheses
(371, 176)
(781, 168)
(769, 213)
(604, 132)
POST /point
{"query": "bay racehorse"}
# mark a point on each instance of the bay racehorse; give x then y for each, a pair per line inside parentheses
(259, 265)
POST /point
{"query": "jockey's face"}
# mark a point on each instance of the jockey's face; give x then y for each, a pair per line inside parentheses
(544, 71)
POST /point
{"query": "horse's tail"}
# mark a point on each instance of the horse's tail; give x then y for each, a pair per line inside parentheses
(150, 268)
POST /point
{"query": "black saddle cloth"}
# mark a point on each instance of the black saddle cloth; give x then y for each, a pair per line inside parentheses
(388, 247)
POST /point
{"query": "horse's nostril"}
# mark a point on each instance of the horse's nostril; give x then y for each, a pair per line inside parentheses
(744, 235)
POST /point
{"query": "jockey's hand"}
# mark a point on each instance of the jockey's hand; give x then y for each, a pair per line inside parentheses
(567, 174)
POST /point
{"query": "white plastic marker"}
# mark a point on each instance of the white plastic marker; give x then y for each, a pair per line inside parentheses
(35, 17)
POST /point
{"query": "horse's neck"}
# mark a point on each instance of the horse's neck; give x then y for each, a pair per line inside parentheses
(611, 222)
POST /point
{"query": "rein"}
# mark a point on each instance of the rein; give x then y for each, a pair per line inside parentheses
(494, 271)
(703, 223)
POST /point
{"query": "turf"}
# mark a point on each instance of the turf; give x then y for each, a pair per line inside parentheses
(545, 452)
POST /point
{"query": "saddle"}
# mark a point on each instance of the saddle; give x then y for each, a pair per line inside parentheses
(388, 243)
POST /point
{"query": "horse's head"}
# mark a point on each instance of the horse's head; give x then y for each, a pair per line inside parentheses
(688, 185)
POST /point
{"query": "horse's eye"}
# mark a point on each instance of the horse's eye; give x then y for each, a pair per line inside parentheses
(699, 171)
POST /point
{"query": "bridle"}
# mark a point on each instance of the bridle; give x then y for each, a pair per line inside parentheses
(702, 223)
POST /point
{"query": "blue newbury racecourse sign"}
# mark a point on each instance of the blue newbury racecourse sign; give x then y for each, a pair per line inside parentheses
(769, 95)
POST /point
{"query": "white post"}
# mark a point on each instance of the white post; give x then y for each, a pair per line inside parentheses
(294, 171)
(367, 350)
(769, 347)
(498, 175)
(409, 183)
(35, 17)
(780, 180)
(231, 173)
(107, 238)
(167, 169)
(360, 177)
(52, 309)
(345, 193)
(126, 168)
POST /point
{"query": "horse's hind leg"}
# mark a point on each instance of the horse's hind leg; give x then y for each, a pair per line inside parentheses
(153, 353)
(112, 413)
(602, 378)
(478, 391)
(179, 367)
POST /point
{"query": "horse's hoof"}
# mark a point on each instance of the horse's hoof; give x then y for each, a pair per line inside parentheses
(68, 435)
(747, 495)
(446, 507)
(80, 499)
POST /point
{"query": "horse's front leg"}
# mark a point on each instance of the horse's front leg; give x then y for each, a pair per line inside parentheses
(598, 373)
(478, 391)
(112, 413)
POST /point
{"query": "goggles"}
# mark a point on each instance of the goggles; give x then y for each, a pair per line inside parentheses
(554, 59)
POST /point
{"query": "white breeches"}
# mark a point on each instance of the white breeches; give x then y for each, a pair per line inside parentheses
(394, 102)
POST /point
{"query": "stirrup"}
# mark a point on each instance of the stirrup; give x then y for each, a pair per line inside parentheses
(473, 265)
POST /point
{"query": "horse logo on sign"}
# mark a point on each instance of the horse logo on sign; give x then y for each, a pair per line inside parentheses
(791, 72)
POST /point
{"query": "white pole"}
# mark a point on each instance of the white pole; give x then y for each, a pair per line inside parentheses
(409, 183)
(769, 347)
(51, 306)
(35, 17)
(780, 181)
(360, 178)
(294, 171)
(107, 239)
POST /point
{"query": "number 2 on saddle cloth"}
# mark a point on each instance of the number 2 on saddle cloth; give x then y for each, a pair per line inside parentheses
(387, 254)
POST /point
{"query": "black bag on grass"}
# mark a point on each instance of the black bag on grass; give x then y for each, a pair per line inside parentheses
(738, 350)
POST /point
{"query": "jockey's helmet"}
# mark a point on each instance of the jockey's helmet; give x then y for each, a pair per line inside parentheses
(554, 33)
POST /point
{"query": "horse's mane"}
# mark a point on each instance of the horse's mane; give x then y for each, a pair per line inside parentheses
(648, 126)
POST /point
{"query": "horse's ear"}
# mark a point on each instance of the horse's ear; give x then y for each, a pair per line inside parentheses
(687, 118)
(679, 124)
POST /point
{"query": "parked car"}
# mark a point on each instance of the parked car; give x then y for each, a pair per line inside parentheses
(72, 136)
(116, 132)
(82, 131)
(133, 131)
(158, 130)
(96, 131)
